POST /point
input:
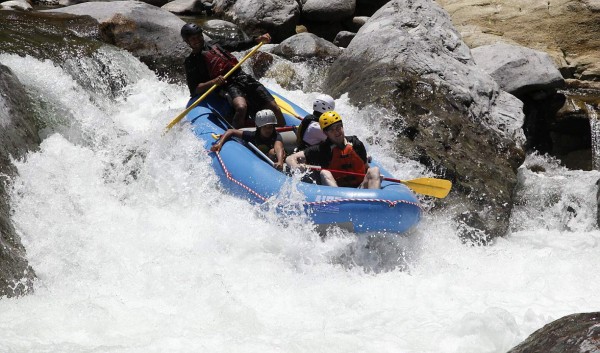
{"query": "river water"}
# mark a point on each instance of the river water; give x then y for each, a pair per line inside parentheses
(137, 249)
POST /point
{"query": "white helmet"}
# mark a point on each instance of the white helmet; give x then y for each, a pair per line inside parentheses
(323, 103)
(265, 117)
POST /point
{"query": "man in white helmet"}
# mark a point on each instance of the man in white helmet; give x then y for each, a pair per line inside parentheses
(309, 131)
(265, 138)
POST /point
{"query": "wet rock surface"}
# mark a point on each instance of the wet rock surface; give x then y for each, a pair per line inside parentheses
(17, 136)
(577, 333)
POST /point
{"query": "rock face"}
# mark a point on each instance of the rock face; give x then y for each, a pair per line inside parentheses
(17, 135)
(566, 29)
(63, 36)
(148, 32)
(577, 333)
(456, 120)
(278, 17)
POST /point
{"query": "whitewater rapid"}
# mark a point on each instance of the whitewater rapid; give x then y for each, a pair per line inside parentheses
(137, 249)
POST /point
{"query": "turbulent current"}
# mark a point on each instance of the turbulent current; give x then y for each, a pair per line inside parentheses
(137, 249)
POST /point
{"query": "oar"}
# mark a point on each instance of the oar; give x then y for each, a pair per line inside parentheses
(193, 105)
(256, 149)
(286, 107)
(427, 186)
(278, 129)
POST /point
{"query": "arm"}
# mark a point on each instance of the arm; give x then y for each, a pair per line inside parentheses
(204, 86)
(296, 161)
(217, 146)
(280, 153)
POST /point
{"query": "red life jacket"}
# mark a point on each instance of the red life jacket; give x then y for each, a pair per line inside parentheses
(347, 159)
(218, 61)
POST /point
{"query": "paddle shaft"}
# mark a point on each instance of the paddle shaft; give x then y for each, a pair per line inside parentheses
(209, 91)
(350, 173)
(278, 129)
(427, 186)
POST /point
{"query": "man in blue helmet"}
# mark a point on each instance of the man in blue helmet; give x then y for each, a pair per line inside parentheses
(210, 61)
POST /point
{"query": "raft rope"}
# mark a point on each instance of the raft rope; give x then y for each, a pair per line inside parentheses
(390, 203)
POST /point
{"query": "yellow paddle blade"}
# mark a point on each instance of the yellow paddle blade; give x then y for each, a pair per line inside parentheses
(286, 107)
(429, 186)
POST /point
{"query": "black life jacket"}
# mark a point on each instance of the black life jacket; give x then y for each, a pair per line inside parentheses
(218, 61)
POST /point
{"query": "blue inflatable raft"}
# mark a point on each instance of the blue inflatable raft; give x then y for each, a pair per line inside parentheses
(391, 209)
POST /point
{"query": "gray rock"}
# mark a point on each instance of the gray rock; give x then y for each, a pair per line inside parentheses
(517, 69)
(328, 10)
(148, 32)
(344, 38)
(255, 17)
(158, 3)
(193, 7)
(305, 46)
(16, 5)
(455, 119)
(354, 24)
(576, 333)
(17, 136)
(219, 29)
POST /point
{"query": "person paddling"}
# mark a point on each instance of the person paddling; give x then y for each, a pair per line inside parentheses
(265, 138)
(210, 61)
(309, 131)
(338, 152)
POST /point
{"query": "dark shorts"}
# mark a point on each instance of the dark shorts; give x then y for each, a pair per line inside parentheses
(243, 85)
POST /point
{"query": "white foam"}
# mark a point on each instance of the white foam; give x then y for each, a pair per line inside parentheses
(137, 249)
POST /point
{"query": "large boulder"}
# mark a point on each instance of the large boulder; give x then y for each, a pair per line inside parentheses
(306, 46)
(531, 76)
(566, 29)
(148, 32)
(455, 119)
(576, 333)
(277, 17)
(17, 136)
(517, 69)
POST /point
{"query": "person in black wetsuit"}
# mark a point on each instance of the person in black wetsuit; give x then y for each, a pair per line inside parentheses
(339, 153)
(265, 138)
(210, 61)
